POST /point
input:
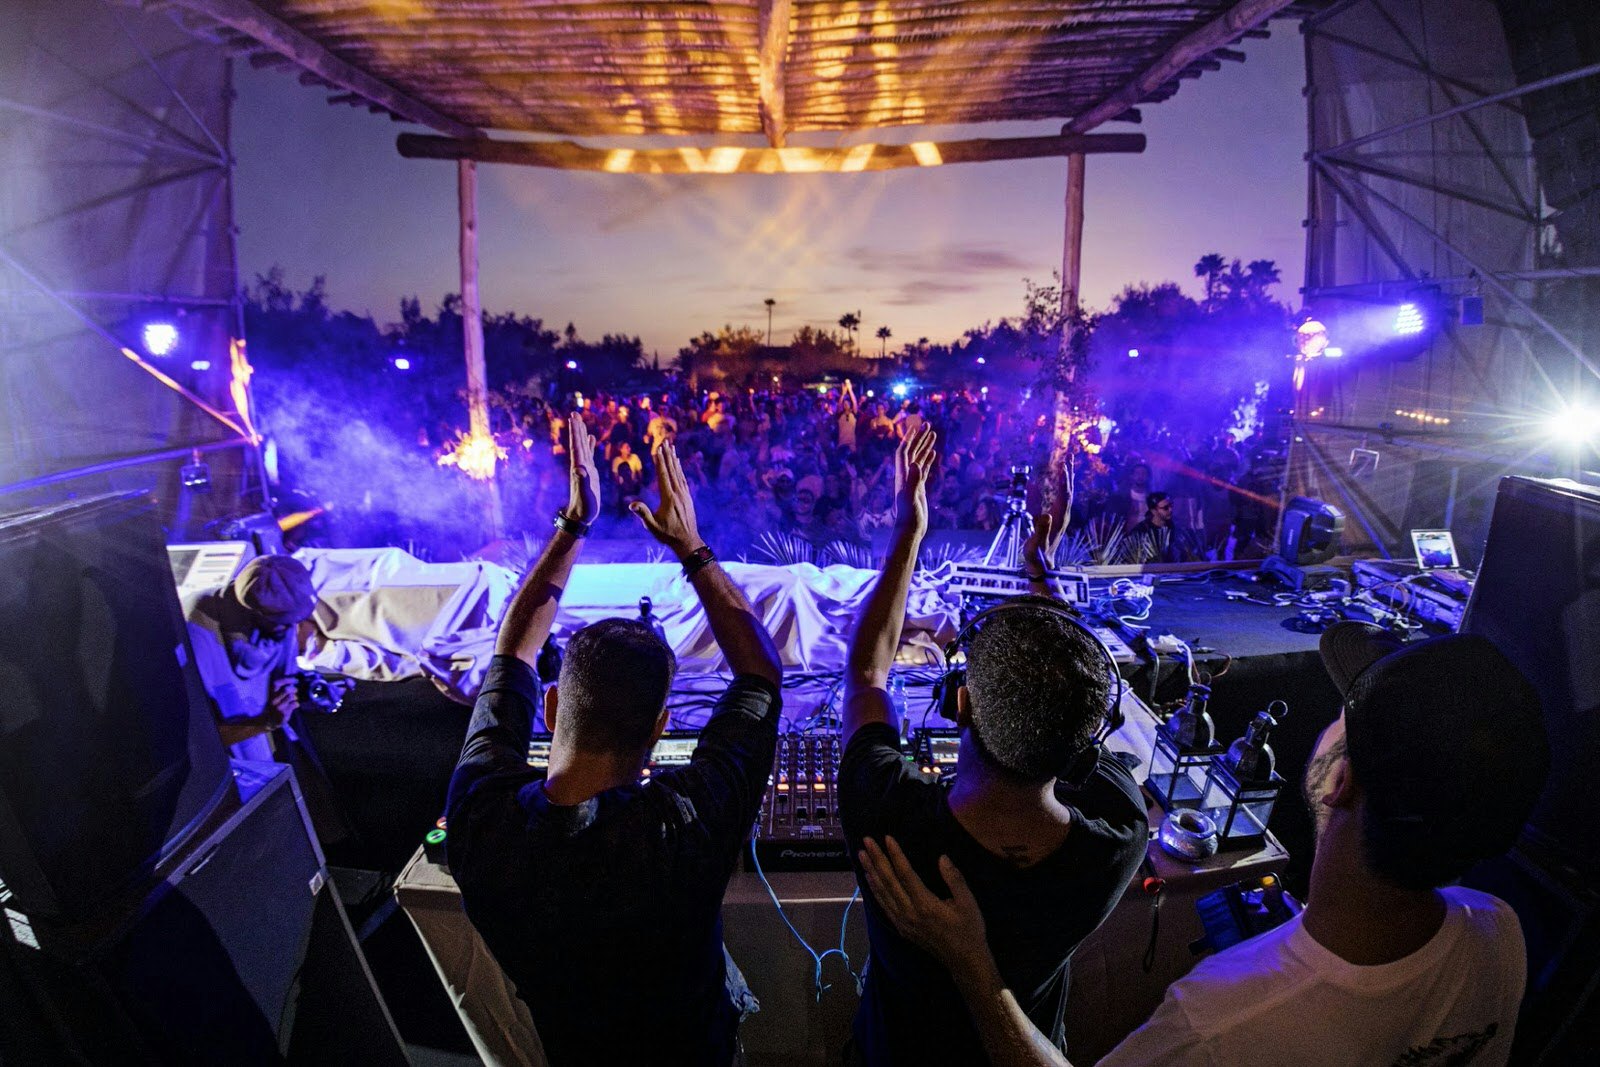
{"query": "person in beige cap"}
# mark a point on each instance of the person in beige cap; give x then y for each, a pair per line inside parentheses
(243, 635)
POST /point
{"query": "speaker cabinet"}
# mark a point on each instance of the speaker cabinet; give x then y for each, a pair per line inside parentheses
(109, 756)
(242, 955)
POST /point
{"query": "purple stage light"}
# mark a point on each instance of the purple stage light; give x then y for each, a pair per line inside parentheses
(200, 364)
(401, 363)
(160, 338)
(1133, 353)
(1409, 320)
(572, 364)
(982, 361)
(899, 389)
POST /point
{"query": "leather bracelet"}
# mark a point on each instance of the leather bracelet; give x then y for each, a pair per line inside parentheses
(695, 561)
(572, 526)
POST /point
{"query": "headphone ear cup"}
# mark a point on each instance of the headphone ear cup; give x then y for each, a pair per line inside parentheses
(1081, 767)
(948, 702)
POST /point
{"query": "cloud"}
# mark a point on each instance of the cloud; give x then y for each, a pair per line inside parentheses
(929, 291)
(949, 259)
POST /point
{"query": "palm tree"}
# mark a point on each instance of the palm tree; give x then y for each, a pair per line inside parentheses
(1259, 274)
(883, 337)
(1210, 268)
(769, 302)
(849, 322)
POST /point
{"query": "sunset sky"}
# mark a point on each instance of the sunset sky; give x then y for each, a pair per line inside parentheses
(320, 189)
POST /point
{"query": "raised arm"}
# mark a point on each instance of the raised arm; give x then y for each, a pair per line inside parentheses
(877, 633)
(742, 637)
(532, 611)
(952, 932)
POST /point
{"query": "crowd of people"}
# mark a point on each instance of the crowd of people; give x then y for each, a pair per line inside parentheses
(601, 897)
(817, 464)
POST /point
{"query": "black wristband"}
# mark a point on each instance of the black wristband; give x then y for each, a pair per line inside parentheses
(696, 560)
(572, 526)
(1034, 577)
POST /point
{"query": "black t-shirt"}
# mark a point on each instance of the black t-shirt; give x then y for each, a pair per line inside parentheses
(911, 1012)
(608, 914)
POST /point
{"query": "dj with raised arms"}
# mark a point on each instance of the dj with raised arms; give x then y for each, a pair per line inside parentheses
(1045, 861)
(601, 898)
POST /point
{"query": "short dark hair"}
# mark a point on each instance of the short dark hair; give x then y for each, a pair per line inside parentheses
(1155, 500)
(614, 682)
(1039, 688)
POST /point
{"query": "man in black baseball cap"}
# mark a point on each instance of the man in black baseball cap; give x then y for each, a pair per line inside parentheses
(1434, 763)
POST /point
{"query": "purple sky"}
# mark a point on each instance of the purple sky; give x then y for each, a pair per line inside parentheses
(321, 189)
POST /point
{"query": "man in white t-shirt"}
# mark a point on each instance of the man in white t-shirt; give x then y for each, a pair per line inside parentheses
(1434, 765)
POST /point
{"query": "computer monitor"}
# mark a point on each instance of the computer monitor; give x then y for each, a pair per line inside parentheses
(1435, 549)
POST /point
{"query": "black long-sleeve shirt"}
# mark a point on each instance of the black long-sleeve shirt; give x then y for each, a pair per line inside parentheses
(608, 914)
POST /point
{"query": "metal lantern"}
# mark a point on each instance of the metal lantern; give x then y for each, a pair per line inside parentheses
(1242, 784)
(1185, 745)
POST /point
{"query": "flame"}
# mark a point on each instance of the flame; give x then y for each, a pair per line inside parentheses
(239, 374)
(474, 454)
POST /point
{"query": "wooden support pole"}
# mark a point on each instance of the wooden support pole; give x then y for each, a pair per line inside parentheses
(734, 159)
(472, 326)
(1071, 279)
(1072, 246)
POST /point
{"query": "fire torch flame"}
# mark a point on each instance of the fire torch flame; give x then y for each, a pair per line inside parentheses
(474, 454)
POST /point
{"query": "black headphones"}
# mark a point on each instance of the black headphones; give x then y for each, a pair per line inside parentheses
(1080, 765)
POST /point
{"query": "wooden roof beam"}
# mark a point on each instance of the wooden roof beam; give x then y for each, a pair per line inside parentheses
(1223, 30)
(729, 159)
(247, 18)
(772, 26)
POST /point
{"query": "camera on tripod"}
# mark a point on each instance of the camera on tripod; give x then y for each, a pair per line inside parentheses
(1017, 492)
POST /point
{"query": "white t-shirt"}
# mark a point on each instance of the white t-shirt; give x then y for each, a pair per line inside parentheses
(1281, 998)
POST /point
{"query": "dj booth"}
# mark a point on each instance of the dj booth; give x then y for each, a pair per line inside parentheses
(1112, 990)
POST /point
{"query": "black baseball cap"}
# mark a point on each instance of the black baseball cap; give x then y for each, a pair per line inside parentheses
(1445, 734)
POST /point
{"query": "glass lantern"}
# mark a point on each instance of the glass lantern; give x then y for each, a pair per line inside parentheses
(1241, 809)
(1184, 746)
(1242, 784)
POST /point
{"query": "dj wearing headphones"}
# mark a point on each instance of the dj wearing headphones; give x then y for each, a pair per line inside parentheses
(1046, 860)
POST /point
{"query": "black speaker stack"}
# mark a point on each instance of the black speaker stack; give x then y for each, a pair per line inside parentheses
(160, 905)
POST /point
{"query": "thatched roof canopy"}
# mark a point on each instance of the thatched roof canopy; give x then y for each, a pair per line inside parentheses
(724, 67)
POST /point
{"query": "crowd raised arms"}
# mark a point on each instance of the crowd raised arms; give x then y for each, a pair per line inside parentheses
(817, 466)
(601, 898)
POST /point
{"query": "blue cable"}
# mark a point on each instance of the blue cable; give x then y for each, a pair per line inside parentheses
(816, 976)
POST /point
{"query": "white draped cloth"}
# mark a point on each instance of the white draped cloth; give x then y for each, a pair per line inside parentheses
(384, 615)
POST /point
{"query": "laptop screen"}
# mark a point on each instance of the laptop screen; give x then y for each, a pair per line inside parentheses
(1435, 549)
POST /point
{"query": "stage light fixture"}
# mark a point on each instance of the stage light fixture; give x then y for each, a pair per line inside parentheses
(1409, 320)
(401, 363)
(160, 338)
(200, 364)
(1333, 353)
(1575, 424)
(572, 364)
(982, 361)
(1133, 353)
(899, 389)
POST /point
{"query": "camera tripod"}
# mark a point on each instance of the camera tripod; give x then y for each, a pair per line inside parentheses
(1016, 526)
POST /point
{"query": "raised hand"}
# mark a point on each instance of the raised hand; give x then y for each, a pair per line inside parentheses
(913, 459)
(673, 521)
(1035, 549)
(583, 499)
(952, 930)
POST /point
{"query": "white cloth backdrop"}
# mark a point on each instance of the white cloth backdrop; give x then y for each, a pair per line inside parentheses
(385, 615)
